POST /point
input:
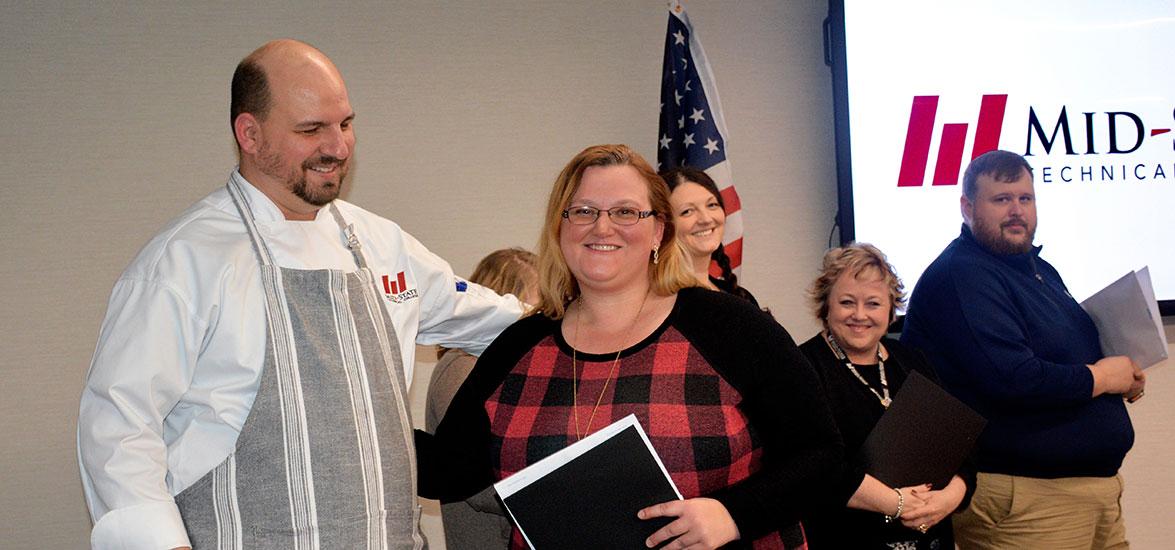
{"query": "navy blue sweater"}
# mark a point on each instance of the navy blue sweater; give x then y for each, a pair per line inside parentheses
(1007, 338)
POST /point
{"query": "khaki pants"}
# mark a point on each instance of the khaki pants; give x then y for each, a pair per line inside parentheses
(1012, 512)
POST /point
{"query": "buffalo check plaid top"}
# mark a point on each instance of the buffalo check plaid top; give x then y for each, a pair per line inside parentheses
(690, 413)
(728, 402)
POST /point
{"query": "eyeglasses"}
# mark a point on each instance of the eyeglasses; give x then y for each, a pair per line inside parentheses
(620, 215)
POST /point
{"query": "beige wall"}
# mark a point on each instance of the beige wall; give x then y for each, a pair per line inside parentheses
(114, 118)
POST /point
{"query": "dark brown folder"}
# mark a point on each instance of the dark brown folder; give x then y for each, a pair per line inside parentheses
(923, 437)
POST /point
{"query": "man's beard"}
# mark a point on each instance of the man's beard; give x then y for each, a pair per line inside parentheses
(992, 237)
(271, 164)
(328, 191)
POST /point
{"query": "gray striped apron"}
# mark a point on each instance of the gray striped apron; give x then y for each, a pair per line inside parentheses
(325, 458)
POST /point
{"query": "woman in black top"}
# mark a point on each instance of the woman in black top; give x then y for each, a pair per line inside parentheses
(855, 297)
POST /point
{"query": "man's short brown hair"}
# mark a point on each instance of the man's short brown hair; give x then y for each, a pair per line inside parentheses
(1004, 166)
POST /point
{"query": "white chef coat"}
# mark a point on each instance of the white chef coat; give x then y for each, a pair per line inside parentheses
(180, 353)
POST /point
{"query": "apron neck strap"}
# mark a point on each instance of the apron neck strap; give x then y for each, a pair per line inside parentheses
(349, 233)
(237, 192)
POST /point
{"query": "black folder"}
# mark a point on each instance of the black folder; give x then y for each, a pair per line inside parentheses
(591, 500)
(923, 437)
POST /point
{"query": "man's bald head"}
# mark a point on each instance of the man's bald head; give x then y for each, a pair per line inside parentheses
(251, 85)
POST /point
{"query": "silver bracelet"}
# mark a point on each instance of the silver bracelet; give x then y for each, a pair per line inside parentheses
(901, 504)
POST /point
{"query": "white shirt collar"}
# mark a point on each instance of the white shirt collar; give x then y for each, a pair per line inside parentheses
(264, 209)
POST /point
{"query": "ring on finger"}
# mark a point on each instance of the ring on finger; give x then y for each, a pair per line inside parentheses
(923, 528)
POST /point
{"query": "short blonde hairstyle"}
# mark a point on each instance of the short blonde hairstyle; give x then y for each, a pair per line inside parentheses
(557, 286)
(859, 260)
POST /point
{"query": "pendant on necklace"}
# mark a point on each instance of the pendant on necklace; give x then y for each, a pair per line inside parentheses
(885, 402)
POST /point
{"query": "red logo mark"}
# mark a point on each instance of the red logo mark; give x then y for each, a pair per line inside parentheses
(395, 287)
(954, 135)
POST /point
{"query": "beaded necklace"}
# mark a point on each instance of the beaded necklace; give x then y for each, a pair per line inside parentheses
(883, 397)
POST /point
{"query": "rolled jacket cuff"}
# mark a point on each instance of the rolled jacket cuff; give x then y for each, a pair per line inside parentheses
(149, 526)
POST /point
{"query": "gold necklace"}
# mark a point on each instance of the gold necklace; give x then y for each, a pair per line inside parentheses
(574, 383)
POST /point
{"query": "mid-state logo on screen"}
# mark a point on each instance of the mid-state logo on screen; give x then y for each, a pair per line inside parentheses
(954, 135)
(1105, 133)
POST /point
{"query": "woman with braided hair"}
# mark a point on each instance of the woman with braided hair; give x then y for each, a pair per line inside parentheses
(699, 214)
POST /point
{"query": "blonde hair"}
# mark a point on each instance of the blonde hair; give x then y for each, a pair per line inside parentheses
(507, 271)
(557, 286)
(859, 260)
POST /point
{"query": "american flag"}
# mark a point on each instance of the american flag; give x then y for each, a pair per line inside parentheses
(692, 130)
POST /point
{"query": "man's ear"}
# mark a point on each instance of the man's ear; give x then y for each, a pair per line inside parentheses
(247, 130)
(967, 208)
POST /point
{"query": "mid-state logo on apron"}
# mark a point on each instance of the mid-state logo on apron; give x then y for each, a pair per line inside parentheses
(397, 289)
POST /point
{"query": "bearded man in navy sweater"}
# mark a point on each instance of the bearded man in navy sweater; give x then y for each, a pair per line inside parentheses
(1007, 338)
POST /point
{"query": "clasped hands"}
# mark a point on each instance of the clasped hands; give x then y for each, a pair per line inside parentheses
(925, 507)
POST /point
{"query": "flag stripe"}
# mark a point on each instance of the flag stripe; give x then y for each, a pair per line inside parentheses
(734, 224)
(730, 197)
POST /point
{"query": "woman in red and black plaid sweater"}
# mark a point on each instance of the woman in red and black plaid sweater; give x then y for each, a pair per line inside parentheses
(728, 401)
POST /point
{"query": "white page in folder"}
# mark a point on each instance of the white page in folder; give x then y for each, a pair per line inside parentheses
(536, 471)
(1127, 319)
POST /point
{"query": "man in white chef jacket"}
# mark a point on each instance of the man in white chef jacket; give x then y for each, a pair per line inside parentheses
(247, 388)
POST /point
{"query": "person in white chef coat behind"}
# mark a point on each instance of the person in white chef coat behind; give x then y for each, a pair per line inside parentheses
(248, 386)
